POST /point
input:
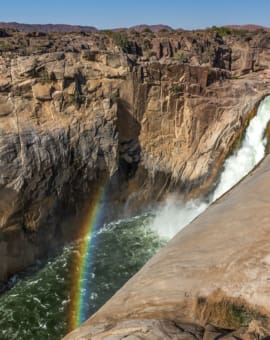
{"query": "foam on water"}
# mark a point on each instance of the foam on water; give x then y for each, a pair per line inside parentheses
(174, 215)
(37, 306)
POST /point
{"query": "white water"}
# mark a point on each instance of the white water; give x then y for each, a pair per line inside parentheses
(174, 215)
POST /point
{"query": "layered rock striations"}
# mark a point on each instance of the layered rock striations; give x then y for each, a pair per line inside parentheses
(153, 112)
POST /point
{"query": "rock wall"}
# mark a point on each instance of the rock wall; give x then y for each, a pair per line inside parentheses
(76, 108)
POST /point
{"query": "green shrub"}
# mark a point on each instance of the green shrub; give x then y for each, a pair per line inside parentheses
(109, 33)
(147, 44)
(164, 30)
(223, 31)
(121, 39)
(152, 54)
(44, 76)
(147, 30)
(90, 55)
(181, 57)
(134, 32)
(5, 46)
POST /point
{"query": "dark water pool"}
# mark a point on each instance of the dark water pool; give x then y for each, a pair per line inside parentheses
(37, 307)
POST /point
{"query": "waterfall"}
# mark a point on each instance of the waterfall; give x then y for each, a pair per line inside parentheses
(174, 216)
(36, 307)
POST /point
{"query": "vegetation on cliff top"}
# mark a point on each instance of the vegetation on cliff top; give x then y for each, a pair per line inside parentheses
(223, 31)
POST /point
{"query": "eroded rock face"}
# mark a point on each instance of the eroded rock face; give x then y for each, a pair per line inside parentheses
(75, 108)
(144, 329)
(211, 281)
(54, 145)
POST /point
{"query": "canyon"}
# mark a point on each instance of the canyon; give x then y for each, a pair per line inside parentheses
(150, 112)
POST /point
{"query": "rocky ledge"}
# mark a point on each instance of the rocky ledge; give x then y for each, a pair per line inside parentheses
(210, 282)
(153, 112)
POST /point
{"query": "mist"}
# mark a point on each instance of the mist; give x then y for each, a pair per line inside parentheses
(173, 215)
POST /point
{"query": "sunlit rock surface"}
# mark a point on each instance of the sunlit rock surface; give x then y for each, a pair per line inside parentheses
(155, 113)
(211, 281)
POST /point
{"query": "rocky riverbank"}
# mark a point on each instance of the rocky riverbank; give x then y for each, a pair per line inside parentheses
(152, 112)
(210, 282)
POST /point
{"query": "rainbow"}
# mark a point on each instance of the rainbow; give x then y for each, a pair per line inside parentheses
(80, 290)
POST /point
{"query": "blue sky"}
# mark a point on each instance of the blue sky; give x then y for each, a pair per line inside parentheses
(119, 13)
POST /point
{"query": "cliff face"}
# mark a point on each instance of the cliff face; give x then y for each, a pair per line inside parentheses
(152, 112)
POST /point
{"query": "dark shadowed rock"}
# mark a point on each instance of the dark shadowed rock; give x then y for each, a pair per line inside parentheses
(76, 108)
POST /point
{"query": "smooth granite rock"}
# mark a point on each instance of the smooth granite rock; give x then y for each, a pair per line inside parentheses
(211, 281)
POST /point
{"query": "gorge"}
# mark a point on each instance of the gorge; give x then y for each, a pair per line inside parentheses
(123, 247)
(153, 115)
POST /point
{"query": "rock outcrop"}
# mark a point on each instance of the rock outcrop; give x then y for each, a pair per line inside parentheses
(153, 112)
(210, 282)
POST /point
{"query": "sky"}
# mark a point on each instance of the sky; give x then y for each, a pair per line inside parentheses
(188, 14)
